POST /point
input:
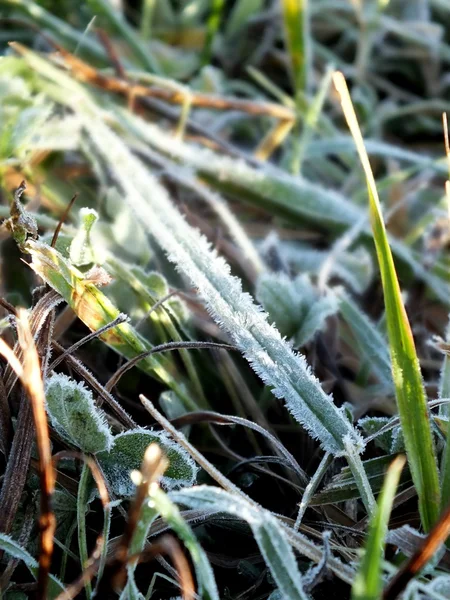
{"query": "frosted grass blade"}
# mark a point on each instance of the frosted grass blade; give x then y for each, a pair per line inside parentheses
(13, 548)
(286, 372)
(409, 387)
(170, 513)
(269, 355)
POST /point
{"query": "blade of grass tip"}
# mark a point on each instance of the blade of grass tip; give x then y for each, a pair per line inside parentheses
(116, 20)
(444, 384)
(212, 26)
(148, 6)
(369, 579)
(34, 386)
(409, 388)
(312, 487)
(296, 27)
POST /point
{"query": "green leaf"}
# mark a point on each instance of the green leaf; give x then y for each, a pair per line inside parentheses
(126, 456)
(409, 388)
(74, 416)
(369, 579)
(96, 310)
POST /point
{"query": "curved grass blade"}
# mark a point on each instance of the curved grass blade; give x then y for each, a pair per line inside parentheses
(409, 388)
(170, 513)
(369, 579)
(270, 537)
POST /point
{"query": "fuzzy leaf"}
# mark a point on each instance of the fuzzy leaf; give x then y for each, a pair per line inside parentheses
(127, 453)
(75, 417)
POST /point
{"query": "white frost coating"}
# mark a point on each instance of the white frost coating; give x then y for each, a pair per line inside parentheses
(286, 372)
(127, 453)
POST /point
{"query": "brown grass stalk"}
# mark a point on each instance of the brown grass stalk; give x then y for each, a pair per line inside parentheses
(30, 376)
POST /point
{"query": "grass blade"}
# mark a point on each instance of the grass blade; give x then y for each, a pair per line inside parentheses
(95, 309)
(296, 27)
(203, 570)
(270, 538)
(410, 391)
(368, 581)
(295, 16)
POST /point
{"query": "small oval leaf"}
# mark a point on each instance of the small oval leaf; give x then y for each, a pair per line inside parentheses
(75, 417)
(127, 453)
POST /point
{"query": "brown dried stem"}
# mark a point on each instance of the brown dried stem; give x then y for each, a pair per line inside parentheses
(169, 346)
(85, 72)
(419, 559)
(31, 379)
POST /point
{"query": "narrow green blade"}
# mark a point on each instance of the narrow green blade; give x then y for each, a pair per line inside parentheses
(409, 388)
(368, 581)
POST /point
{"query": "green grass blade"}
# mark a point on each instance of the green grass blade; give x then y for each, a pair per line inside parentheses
(117, 21)
(296, 27)
(368, 581)
(217, 7)
(410, 391)
(444, 392)
(295, 17)
(204, 573)
(82, 509)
